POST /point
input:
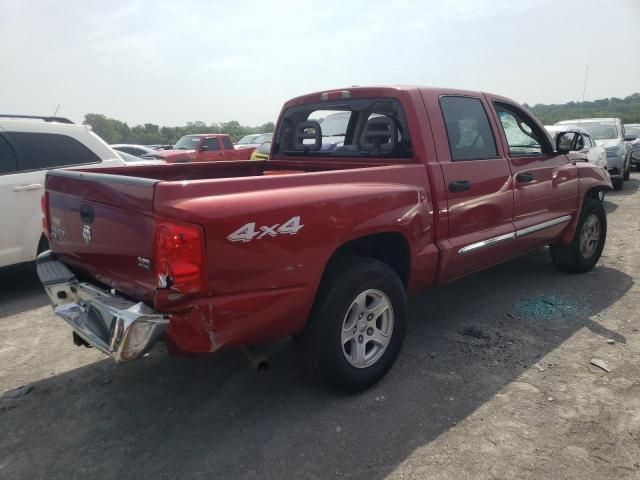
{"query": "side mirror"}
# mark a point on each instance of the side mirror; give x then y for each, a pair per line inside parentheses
(565, 141)
(629, 137)
(203, 148)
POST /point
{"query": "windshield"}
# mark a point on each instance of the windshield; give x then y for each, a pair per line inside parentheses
(188, 142)
(264, 148)
(598, 130)
(632, 130)
(247, 139)
(263, 137)
(335, 124)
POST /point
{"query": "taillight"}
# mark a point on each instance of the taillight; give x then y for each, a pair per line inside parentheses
(179, 255)
(46, 227)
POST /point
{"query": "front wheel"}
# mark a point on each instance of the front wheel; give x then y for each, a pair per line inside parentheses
(357, 325)
(585, 248)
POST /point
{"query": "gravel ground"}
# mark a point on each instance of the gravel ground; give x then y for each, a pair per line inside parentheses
(494, 381)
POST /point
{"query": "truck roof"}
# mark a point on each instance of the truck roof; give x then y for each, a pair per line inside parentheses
(594, 119)
(378, 91)
(207, 135)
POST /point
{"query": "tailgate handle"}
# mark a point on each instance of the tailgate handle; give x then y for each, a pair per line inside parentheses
(86, 214)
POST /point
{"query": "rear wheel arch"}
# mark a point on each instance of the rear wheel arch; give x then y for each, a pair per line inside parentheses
(391, 248)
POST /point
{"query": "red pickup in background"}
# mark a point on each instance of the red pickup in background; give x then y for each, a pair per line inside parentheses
(324, 241)
(209, 147)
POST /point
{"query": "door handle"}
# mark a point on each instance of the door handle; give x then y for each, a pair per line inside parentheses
(32, 186)
(459, 186)
(524, 177)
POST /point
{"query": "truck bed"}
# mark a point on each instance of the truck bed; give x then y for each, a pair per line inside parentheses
(119, 208)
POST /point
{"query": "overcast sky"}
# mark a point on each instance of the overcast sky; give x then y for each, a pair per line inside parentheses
(173, 62)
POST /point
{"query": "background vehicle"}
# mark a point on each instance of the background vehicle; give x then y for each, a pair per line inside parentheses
(608, 133)
(633, 129)
(262, 152)
(245, 149)
(334, 128)
(160, 147)
(133, 160)
(247, 140)
(29, 146)
(135, 150)
(209, 147)
(583, 143)
(428, 185)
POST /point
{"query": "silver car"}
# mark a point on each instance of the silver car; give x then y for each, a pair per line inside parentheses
(584, 144)
(609, 133)
(634, 129)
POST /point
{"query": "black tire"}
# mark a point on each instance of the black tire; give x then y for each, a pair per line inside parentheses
(570, 258)
(627, 172)
(618, 183)
(320, 345)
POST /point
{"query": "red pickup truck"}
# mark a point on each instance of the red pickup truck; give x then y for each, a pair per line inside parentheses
(323, 241)
(208, 147)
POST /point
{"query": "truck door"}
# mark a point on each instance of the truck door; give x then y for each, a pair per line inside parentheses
(210, 150)
(229, 151)
(478, 185)
(545, 183)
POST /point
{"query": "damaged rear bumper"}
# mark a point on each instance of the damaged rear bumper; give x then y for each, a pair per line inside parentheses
(118, 327)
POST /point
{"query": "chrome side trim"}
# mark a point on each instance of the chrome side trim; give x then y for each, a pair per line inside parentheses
(542, 226)
(486, 243)
(511, 236)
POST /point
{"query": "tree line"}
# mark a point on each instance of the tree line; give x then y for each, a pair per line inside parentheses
(116, 131)
(627, 109)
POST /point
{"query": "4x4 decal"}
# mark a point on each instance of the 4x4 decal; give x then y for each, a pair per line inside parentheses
(248, 232)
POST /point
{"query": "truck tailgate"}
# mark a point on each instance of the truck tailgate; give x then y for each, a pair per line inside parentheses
(103, 225)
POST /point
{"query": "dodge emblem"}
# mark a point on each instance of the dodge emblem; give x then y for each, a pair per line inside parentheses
(86, 234)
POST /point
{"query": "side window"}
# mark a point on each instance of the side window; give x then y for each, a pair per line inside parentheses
(580, 142)
(468, 129)
(226, 141)
(8, 162)
(38, 151)
(523, 137)
(212, 144)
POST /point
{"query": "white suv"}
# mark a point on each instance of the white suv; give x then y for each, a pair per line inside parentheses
(29, 146)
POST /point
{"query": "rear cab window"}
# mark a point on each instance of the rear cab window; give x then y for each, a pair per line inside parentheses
(345, 128)
(41, 151)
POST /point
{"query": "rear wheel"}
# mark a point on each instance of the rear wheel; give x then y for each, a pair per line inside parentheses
(618, 183)
(585, 248)
(357, 325)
